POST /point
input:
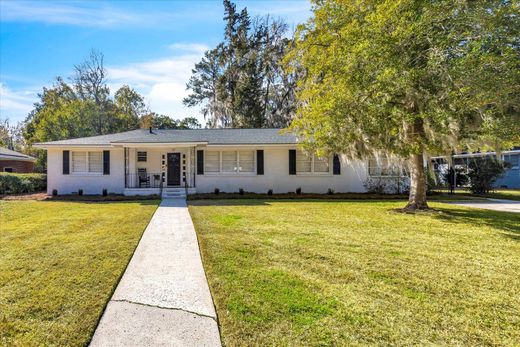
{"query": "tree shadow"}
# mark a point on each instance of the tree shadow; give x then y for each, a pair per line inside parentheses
(508, 222)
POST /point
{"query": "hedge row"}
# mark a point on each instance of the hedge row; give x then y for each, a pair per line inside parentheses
(13, 183)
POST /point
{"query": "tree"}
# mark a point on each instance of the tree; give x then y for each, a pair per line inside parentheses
(241, 83)
(159, 121)
(407, 78)
(130, 107)
(90, 84)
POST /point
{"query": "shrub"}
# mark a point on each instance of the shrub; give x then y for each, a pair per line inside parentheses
(270, 192)
(483, 173)
(330, 191)
(80, 192)
(14, 183)
(54, 192)
(241, 191)
(299, 190)
(105, 192)
(216, 191)
(457, 175)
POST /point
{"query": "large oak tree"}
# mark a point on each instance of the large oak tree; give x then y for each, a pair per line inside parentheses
(407, 79)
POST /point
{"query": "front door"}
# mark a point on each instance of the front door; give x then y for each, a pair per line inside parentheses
(174, 169)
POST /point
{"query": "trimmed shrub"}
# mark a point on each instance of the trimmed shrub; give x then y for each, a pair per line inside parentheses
(55, 192)
(241, 191)
(80, 192)
(216, 191)
(105, 192)
(270, 192)
(330, 191)
(299, 190)
(15, 183)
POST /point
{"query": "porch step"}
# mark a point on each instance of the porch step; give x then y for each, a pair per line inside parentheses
(170, 193)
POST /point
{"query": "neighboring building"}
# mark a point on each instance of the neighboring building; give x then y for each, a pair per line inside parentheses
(511, 178)
(146, 161)
(11, 161)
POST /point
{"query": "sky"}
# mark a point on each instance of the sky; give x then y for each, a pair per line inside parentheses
(149, 45)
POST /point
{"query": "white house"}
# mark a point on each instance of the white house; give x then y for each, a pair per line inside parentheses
(142, 162)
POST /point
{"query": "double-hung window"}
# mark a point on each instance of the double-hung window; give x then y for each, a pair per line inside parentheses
(87, 162)
(306, 163)
(382, 167)
(229, 161)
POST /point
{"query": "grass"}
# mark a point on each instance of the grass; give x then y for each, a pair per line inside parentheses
(510, 194)
(60, 262)
(328, 273)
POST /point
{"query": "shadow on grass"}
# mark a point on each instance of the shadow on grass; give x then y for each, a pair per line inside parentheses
(505, 221)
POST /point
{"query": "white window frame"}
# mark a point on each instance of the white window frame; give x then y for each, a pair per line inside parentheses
(313, 172)
(237, 172)
(87, 159)
(380, 167)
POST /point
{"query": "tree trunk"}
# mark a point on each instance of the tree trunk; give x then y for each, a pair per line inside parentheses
(417, 198)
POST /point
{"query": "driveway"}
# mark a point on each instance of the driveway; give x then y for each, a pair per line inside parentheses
(163, 298)
(492, 204)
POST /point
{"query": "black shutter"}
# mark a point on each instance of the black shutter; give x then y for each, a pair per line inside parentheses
(336, 165)
(66, 162)
(200, 162)
(260, 162)
(292, 162)
(106, 162)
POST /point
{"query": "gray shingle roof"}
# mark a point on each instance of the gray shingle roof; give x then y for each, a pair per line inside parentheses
(210, 136)
(7, 154)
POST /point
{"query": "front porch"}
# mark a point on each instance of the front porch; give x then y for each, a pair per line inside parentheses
(154, 170)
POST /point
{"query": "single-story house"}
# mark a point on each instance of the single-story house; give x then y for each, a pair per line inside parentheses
(152, 161)
(12, 161)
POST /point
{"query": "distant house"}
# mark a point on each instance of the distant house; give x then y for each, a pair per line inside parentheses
(511, 178)
(151, 161)
(12, 161)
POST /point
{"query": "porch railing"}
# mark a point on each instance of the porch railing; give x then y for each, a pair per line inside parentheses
(143, 180)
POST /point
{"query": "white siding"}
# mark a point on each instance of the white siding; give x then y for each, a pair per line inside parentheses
(276, 176)
(91, 183)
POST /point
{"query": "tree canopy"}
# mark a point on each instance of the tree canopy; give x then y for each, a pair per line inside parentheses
(406, 79)
(85, 107)
(241, 82)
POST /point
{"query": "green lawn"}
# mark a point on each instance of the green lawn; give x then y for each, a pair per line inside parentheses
(59, 263)
(358, 273)
(511, 194)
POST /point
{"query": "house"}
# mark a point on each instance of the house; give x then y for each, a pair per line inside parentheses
(11, 161)
(152, 161)
(510, 179)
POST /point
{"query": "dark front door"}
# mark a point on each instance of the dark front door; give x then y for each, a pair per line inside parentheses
(174, 169)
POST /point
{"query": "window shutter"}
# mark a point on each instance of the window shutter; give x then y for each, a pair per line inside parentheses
(200, 162)
(260, 162)
(292, 162)
(336, 165)
(106, 162)
(66, 162)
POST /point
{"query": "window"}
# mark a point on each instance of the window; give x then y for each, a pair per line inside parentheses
(247, 161)
(382, 167)
(87, 162)
(212, 161)
(303, 162)
(141, 156)
(229, 161)
(311, 163)
(8, 169)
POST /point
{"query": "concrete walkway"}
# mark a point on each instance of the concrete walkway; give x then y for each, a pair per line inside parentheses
(163, 298)
(492, 204)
